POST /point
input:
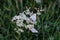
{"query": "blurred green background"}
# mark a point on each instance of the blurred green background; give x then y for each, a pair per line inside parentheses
(48, 24)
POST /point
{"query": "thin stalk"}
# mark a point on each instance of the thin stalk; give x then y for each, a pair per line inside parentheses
(42, 28)
(42, 21)
(17, 6)
(21, 2)
(18, 36)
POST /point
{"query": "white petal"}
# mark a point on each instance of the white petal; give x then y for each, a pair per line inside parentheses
(19, 23)
(34, 30)
(21, 30)
(27, 12)
(42, 10)
(38, 1)
(23, 16)
(30, 26)
(31, 13)
(28, 21)
(39, 13)
(14, 18)
(15, 29)
(18, 17)
(33, 17)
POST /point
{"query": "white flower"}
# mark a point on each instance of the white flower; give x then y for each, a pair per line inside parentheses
(28, 21)
(42, 9)
(20, 19)
(17, 17)
(27, 12)
(19, 23)
(20, 30)
(29, 26)
(33, 17)
(34, 22)
(38, 1)
(38, 12)
(31, 13)
(14, 18)
(33, 30)
(20, 13)
(23, 16)
(17, 31)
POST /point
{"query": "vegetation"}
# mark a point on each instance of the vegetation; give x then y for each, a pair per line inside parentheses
(48, 24)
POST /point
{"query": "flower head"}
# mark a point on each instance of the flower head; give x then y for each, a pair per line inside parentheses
(22, 18)
(38, 12)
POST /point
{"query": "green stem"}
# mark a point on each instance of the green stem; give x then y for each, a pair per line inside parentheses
(42, 29)
(21, 2)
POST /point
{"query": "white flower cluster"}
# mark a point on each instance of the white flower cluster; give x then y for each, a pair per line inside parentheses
(29, 21)
(38, 1)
